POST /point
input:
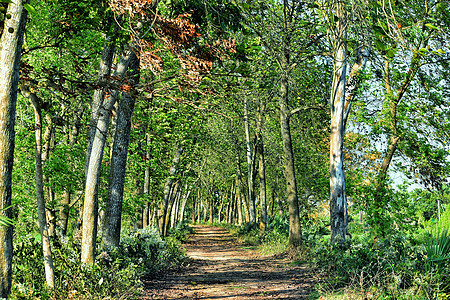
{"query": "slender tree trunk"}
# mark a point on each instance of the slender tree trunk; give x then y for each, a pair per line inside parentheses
(199, 206)
(73, 133)
(90, 208)
(250, 162)
(146, 220)
(261, 165)
(338, 198)
(45, 238)
(184, 201)
(170, 212)
(239, 201)
(169, 183)
(64, 212)
(205, 210)
(262, 186)
(194, 210)
(295, 235)
(394, 137)
(114, 200)
(175, 208)
(272, 202)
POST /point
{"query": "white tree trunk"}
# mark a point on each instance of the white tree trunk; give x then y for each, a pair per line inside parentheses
(338, 198)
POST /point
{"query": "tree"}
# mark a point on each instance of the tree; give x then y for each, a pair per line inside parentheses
(90, 207)
(338, 197)
(43, 225)
(113, 214)
(410, 110)
(12, 30)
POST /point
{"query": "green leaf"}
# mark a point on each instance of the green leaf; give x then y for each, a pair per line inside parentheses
(380, 45)
(6, 1)
(29, 8)
(390, 53)
(429, 25)
(245, 5)
(5, 221)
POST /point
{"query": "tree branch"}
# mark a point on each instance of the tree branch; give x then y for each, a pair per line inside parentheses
(303, 108)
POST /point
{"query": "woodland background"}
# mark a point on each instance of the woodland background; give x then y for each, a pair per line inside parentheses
(321, 127)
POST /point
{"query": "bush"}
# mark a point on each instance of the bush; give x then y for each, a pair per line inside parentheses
(392, 267)
(116, 274)
(181, 231)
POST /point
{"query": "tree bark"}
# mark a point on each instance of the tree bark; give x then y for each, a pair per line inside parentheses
(250, 163)
(338, 198)
(99, 94)
(261, 166)
(239, 195)
(168, 186)
(262, 186)
(64, 212)
(90, 208)
(10, 48)
(146, 216)
(295, 234)
(114, 200)
(43, 226)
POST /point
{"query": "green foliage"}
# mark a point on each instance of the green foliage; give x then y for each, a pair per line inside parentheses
(181, 231)
(438, 247)
(145, 249)
(117, 273)
(394, 267)
(71, 278)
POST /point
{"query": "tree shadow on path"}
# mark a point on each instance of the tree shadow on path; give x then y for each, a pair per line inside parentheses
(220, 269)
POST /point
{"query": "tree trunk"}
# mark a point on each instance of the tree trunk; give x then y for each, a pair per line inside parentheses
(295, 235)
(43, 226)
(10, 48)
(172, 198)
(261, 166)
(99, 94)
(90, 208)
(211, 208)
(239, 201)
(262, 186)
(168, 185)
(250, 162)
(338, 198)
(272, 202)
(146, 216)
(114, 200)
(64, 212)
(199, 206)
(184, 201)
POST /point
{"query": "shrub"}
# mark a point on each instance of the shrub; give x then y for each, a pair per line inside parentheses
(116, 274)
(392, 267)
(181, 231)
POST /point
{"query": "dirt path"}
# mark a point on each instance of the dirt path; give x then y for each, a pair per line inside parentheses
(221, 269)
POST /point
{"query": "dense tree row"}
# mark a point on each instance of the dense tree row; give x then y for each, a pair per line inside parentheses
(151, 113)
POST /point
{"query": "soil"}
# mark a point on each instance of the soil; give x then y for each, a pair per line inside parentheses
(221, 268)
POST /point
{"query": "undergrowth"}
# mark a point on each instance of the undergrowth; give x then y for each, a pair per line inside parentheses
(412, 264)
(116, 274)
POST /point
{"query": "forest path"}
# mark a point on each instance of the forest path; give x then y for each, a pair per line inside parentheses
(223, 269)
